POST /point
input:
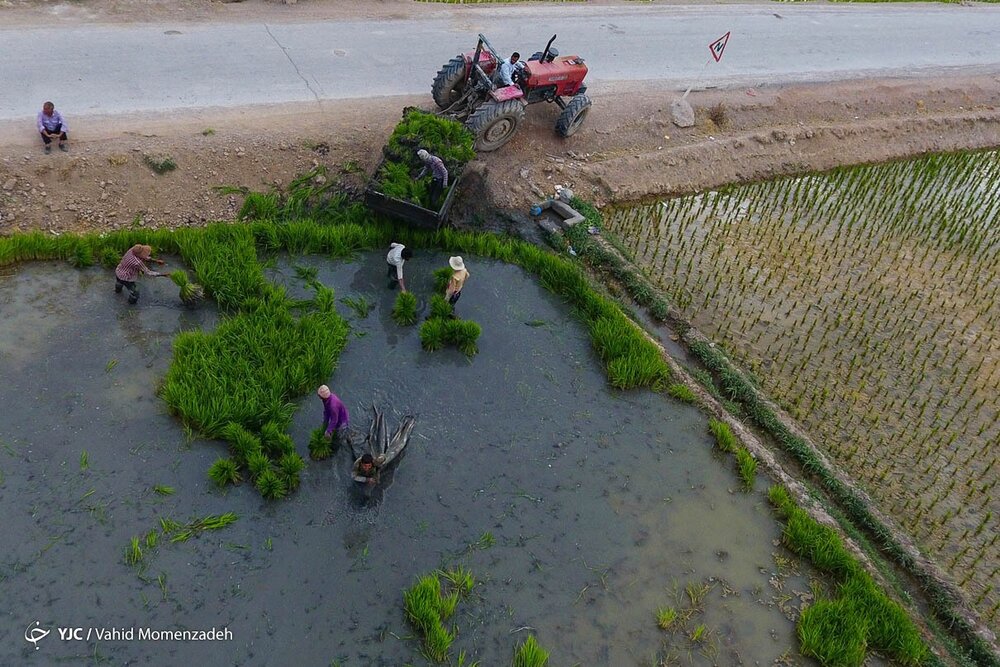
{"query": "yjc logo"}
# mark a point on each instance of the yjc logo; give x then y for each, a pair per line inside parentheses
(34, 633)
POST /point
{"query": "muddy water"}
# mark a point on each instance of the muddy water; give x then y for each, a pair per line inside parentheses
(602, 506)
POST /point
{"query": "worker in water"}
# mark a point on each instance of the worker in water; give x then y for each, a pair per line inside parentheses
(365, 468)
(439, 174)
(394, 259)
(510, 69)
(132, 264)
(335, 417)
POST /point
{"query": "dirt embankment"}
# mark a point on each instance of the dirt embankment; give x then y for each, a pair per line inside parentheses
(627, 150)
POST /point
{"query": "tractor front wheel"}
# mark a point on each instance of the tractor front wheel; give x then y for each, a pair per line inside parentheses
(449, 83)
(573, 115)
(495, 124)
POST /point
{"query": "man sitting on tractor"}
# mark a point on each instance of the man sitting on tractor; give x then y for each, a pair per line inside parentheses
(510, 69)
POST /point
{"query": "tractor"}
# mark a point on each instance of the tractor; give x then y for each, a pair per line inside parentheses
(469, 90)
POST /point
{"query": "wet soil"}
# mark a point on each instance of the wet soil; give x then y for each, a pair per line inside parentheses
(601, 504)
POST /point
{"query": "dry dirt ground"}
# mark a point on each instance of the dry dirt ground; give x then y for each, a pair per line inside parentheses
(627, 150)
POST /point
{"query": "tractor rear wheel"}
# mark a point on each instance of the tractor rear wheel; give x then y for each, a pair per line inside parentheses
(573, 115)
(494, 124)
(449, 83)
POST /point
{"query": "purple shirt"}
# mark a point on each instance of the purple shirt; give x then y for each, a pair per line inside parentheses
(334, 414)
(51, 122)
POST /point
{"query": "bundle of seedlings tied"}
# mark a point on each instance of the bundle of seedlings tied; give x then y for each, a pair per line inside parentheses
(445, 138)
(191, 293)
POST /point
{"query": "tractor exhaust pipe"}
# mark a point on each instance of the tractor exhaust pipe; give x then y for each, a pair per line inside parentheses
(545, 53)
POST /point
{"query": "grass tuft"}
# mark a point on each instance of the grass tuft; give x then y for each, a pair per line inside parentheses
(160, 164)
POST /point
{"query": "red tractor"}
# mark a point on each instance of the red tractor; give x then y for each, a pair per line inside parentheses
(469, 90)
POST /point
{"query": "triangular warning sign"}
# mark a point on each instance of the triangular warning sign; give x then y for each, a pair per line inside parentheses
(718, 46)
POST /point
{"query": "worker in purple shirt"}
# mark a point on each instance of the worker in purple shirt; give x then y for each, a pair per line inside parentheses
(335, 417)
(439, 174)
(51, 125)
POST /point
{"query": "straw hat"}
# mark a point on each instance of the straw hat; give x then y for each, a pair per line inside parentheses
(323, 391)
(422, 154)
(456, 263)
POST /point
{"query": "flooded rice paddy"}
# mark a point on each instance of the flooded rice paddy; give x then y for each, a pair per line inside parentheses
(580, 510)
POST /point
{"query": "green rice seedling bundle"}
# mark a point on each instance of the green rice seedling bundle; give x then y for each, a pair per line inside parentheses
(152, 538)
(442, 277)
(224, 471)
(440, 308)
(271, 485)
(184, 532)
(433, 334)
(190, 292)
(242, 442)
(460, 579)
(320, 446)
(258, 463)
(275, 441)
(427, 608)
(463, 334)
(404, 311)
(290, 465)
(530, 654)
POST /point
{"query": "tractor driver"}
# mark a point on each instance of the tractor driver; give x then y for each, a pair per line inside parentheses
(511, 69)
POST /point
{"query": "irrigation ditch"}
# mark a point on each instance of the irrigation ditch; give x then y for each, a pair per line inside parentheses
(580, 461)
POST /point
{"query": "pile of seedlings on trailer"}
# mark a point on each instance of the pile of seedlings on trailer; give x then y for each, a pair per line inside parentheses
(443, 137)
(867, 299)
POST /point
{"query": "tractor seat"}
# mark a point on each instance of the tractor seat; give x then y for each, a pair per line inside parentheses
(553, 54)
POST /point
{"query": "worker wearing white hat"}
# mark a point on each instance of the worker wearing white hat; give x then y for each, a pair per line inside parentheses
(458, 277)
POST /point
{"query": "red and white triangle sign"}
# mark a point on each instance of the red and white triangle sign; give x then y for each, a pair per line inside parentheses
(718, 46)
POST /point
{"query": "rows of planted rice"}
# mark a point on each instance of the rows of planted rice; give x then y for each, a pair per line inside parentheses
(867, 301)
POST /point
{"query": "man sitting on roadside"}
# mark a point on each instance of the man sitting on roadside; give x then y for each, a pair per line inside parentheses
(50, 125)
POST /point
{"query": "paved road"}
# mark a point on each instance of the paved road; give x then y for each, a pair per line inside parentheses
(111, 69)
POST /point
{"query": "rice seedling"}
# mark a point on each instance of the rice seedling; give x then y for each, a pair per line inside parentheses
(427, 608)
(289, 467)
(404, 311)
(184, 532)
(442, 277)
(224, 471)
(699, 634)
(681, 392)
(274, 441)
(530, 654)
(258, 463)
(666, 617)
(160, 164)
(320, 447)
(460, 578)
(271, 485)
(361, 306)
(133, 552)
(162, 490)
(463, 334)
(152, 538)
(433, 334)
(747, 467)
(724, 437)
(191, 293)
(440, 308)
(84, 460)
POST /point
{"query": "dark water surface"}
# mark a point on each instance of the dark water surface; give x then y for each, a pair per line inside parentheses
(603, 506)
